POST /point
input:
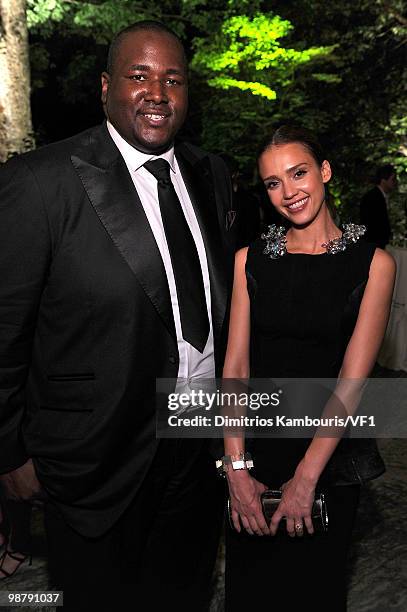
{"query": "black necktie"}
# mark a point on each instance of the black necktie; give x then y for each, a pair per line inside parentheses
(184, 259)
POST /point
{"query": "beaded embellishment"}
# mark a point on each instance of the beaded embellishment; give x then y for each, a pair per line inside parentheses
(351, 234)
(276, 241)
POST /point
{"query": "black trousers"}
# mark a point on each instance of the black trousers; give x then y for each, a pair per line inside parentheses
(161, 552)
(281, 572)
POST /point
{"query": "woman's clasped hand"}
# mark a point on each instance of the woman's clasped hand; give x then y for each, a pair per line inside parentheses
(294, 508)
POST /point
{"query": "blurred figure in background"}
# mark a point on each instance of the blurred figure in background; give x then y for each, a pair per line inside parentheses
(373, 206)
(245, 205)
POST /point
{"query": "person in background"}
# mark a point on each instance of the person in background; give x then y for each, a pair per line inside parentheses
(245, 205)
(374, 207)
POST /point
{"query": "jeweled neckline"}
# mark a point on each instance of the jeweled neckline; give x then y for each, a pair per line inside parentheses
(276, 241)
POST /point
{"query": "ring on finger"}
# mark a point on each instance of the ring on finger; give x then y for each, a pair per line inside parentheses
(298, 527)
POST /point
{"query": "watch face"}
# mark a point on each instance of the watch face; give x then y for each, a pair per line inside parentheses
(239, 465)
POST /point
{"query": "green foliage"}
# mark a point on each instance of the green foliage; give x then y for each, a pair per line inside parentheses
(44, 14)
(257, 89)
(101, 22)
(263, 77)
(250, 46)
(327, 78)
(98, 20)
(337, 68)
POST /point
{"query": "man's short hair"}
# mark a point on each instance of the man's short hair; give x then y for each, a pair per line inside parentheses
(384, 172)
(146, 25)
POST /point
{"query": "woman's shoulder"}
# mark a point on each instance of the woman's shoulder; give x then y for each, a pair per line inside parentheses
(241, 257)
(361, 250)
(367, 261)
(371, 253)
(255, 254)
(257, 245)
(382, 262)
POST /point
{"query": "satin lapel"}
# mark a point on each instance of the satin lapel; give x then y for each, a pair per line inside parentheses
(199, 182)
(117, 204)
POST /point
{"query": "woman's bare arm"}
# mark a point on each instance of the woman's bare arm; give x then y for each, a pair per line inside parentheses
(244, 490)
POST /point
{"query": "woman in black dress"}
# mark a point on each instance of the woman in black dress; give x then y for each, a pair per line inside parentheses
(311, 302)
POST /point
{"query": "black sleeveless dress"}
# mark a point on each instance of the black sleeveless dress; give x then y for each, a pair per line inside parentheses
(303, 311)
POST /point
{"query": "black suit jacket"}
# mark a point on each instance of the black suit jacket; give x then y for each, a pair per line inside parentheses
(86, 323)
(373, 214)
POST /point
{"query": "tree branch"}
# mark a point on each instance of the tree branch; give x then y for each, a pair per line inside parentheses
(400, 18)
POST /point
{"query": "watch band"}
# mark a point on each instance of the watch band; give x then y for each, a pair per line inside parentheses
(241, 461)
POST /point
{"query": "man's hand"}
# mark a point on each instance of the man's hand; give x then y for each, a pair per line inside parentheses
(22, 484)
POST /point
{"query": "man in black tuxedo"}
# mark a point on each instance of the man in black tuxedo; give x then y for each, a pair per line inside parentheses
(92, 312)
(373, 207)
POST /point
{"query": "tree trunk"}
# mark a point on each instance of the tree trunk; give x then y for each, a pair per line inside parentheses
(15, 113)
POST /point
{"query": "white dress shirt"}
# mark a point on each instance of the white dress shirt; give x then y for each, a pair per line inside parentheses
(385, 195)
(192, 363)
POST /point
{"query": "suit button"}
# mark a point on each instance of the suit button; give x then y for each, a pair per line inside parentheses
(173, 359)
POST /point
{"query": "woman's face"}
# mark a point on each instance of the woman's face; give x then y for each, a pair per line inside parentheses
(294, 181)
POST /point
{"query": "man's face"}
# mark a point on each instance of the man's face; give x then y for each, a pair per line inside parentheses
(389, 184)
(146, 96)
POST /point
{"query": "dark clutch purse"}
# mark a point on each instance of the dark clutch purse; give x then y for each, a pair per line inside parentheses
(270, 500)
